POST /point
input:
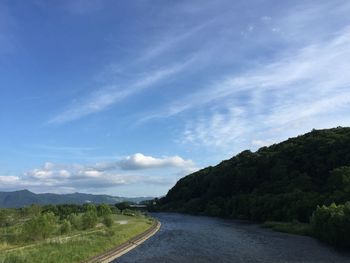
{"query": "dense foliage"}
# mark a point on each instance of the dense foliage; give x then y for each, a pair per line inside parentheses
(283, 182)
(332, 224)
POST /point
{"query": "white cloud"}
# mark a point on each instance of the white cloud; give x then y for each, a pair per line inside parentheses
(61, 178)
(9, 180)
(261, 143)
(140, 161)
(173, 40)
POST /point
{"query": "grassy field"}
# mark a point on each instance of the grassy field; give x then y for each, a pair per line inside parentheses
(79, 244)
(290, 227)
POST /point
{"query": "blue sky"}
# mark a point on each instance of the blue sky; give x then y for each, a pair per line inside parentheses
(126, 97)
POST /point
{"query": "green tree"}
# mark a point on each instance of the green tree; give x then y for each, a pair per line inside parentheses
(340, 179)
(332, 224)
(123, 205)
(108, 220)
(39, 227)
(33, 210)
(65, 226)
(115, 210)
(90, 207)
(103, 210)
(89, 219)
(75, 221)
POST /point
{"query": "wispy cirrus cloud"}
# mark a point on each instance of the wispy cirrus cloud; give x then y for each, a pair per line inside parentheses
(304, 85)
(173, 41)
(309, 86)
(113, 93)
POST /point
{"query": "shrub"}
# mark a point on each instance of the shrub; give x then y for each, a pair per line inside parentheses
(122, 206)
(129, 212)
(66, 227)
(108, 220)
(115, 210)
(39, 227)
(75, 221)
(89, 219)
(89, 207)
(103, 210)
(332, 224)
(33, 210)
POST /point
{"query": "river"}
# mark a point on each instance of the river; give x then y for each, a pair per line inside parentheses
(190, 239)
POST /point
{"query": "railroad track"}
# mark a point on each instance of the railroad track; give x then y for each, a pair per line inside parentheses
(120, 250)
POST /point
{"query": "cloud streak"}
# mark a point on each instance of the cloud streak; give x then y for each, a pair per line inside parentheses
(304, 85)
(113, 93)
(291, 91)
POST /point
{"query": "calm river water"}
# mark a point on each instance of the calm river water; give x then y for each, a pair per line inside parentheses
(190, 239)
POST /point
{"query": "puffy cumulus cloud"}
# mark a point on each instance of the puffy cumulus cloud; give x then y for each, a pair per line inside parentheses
(140, 161)
(62, 178)
(10, 183)
(48, 171)
(9, 180)
(77, 175)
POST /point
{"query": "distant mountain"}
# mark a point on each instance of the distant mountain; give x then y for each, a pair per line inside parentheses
(24, 198)
(283, 182)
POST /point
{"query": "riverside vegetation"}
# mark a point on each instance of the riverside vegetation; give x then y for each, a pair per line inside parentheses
(66, 233)
(301, 186)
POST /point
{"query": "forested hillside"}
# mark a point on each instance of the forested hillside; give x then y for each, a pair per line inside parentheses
(283, 182)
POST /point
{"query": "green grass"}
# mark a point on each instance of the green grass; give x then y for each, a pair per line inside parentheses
(289, 227)
(79, 245)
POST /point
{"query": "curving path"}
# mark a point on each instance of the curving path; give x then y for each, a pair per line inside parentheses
(190, 239)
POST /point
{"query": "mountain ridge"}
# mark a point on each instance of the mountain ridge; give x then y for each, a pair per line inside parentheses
(24, 197)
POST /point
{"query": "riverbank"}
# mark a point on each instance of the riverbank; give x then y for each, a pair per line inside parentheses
(296, 228)
(124, 248)
(80, 245)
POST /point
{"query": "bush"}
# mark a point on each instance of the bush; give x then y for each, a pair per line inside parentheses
(75, 221)
(89, 219)
(122, 206)
(89, 207)
(129, 212)
(115, 210)
(108, 220)
(66, 227)
(39, 227)
(33, 210)
(332, 224)
(103, 210)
